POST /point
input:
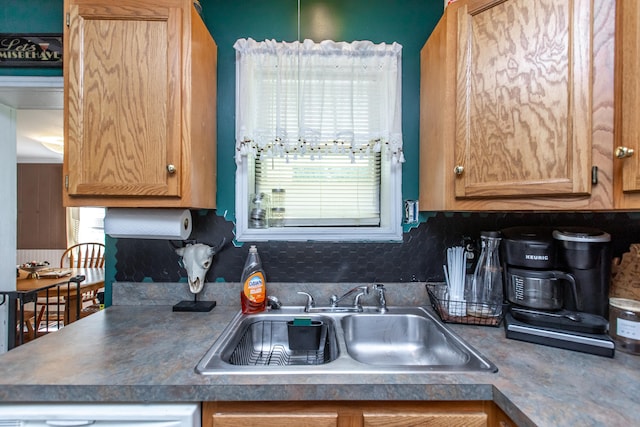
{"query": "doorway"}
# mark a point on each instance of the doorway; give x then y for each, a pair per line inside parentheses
(16, 92)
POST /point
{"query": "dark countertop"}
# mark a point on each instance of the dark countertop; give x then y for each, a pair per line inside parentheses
(138, 353)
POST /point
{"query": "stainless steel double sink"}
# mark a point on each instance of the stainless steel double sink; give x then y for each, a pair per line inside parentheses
(403, 339)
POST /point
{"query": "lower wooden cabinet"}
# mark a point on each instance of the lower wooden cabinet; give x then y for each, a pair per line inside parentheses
(404, 419)
(354, 414)
(500, 419)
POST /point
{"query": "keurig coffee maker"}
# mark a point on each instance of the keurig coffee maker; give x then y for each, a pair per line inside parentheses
(557, 285)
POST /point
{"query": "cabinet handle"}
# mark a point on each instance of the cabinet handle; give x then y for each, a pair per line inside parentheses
(171, 169)
(622, 152)
(458, 170)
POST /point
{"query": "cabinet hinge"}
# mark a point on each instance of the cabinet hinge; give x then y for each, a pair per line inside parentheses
(68, 19)
(66, 182)
(594, 175)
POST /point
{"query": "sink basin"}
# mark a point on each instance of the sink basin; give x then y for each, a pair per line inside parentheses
(262, 340)
(400, 339)
(405, 339)
(265, 340)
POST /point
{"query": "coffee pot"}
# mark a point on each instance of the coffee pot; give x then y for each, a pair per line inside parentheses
(557, 276)
(557, 285)
(539, 289)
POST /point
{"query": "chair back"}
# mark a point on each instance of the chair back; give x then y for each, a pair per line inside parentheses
(83, 255)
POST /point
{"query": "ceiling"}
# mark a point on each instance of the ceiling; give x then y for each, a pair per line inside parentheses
(39, 115)
(35, 127)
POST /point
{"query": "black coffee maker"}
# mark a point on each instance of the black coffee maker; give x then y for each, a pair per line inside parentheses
(557, 284)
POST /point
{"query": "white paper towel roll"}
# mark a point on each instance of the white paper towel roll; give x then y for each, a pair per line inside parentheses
(167, 224)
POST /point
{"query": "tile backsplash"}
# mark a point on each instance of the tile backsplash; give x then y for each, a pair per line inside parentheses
(418, 258)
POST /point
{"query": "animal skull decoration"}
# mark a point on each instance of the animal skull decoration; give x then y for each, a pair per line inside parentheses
(196, 259)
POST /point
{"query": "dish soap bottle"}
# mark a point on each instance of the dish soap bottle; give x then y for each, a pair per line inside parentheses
(253, 297)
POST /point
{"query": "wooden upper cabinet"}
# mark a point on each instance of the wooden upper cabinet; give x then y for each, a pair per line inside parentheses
(627, 152)
(523, 98)
(508, 105)
(140, 105)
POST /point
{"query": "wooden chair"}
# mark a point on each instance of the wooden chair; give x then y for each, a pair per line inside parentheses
(50, 316)
(44, 315)
(27, 328)
(85, 255)
(82, 255)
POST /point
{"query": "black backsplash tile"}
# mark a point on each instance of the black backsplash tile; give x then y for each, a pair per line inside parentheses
(418, 258)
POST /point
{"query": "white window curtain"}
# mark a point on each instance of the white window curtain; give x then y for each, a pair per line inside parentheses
(73, 226)
(322, 123)
(85, 225)
(293, 99)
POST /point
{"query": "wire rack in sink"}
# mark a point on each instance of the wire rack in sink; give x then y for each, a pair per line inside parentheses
(267, 344)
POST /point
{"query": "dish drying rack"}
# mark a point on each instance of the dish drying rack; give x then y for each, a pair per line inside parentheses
(445, 308)
(267, 344)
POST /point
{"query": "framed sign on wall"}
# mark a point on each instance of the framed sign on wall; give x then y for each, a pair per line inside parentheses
(30, 50)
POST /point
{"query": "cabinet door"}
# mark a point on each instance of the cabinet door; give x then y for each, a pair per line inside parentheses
(523, 115)
(123, 99)
(425, 419)
(628, 103)
(268, 419)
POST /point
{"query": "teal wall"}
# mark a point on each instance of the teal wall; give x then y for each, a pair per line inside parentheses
(32, 16)
(408, 22)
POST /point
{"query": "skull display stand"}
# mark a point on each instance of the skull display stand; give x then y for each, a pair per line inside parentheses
(195, 305)
(196, 259)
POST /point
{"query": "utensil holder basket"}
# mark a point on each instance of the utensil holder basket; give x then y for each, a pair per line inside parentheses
(444, 307)
(304, 337)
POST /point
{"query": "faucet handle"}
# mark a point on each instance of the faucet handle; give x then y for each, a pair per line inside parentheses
(364, 290)
(333, 300)
(273, 303)
(381, 297)
(310, 301)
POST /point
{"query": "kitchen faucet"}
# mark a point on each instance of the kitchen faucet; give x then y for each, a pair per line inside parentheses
(310, 301)
(334, 300)
(358, 290)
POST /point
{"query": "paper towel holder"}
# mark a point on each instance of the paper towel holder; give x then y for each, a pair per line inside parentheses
(148, 223)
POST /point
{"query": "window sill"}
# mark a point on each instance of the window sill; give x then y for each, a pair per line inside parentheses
(320, 234)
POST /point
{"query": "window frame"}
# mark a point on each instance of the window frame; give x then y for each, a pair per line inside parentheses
(250, 140)
(390, 228)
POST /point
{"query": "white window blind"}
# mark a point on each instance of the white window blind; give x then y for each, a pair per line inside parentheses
(327, 192)
(321, 121)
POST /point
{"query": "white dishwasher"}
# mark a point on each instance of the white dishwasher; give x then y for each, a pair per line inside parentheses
(100, 414)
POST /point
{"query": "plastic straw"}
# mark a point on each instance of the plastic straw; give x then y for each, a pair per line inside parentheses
(455, 276)
(446, 277)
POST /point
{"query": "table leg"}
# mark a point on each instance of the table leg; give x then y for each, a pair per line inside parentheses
(71, 309)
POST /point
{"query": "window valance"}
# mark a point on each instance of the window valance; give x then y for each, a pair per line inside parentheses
(309, 99)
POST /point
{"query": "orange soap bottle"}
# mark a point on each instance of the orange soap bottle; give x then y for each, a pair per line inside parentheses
(253, 297)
